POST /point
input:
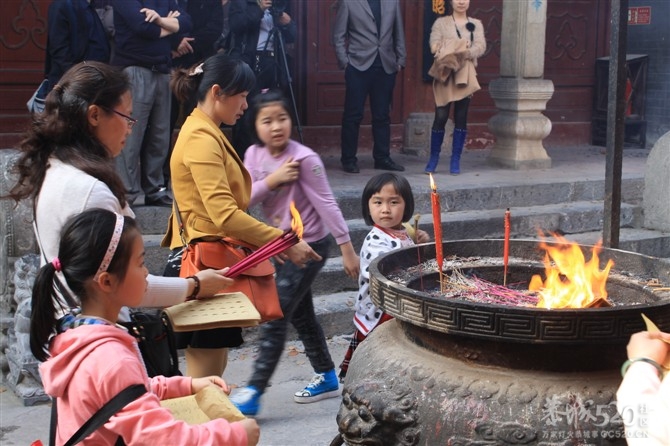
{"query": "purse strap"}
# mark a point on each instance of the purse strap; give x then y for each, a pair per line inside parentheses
(98, 419)
(229, 240)
(180, 223)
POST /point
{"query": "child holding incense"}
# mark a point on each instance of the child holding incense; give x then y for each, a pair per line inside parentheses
(387, 202)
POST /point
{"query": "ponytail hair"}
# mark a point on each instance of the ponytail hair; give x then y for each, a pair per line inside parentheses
(84, 240)
(233, 75)
(62, 130)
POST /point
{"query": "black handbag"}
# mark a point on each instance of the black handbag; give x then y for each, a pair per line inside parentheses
(156, 340)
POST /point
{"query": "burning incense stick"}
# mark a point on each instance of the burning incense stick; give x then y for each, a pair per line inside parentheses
(506, 246)
(437, 227)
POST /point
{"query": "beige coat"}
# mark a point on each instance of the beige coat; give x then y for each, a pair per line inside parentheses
(454, 72)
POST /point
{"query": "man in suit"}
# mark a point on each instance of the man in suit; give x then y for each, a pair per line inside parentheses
(371, 60)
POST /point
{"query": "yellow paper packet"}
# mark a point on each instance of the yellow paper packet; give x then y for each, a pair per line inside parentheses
(651, 327)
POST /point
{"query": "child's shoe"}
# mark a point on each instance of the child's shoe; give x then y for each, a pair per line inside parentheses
(323, 385)
(247, 400)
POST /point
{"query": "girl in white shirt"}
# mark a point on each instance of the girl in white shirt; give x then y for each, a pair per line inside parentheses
(387, 202)
(67, 166)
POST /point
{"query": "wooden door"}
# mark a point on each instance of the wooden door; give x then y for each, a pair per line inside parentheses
(324, 80)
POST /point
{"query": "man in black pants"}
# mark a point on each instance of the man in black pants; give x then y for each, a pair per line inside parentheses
(370, 46)
(254, 25)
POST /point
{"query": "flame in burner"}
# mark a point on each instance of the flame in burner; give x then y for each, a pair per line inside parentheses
(296, 221)
(571, 281)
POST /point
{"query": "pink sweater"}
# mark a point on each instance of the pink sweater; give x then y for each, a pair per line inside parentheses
(311, 193)
(91, 364)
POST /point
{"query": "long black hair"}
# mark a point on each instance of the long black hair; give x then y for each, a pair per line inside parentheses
(376, 183)
(84, 241)
(233, 75)
(62, 130)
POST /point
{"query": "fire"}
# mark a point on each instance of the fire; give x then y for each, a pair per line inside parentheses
(296, 221)
(571, 281)
(433, 186)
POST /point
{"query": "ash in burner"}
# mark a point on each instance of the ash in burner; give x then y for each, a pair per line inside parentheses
(479, 280)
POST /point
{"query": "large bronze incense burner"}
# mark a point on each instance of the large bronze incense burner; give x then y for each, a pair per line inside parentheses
(449, 371)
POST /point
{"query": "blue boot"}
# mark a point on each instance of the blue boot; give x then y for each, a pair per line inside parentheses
(436, 138)
(456, 150)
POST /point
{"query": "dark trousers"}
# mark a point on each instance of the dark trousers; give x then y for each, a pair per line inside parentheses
(294, 286)
(460, 115)
(266, 67)
(378, 85)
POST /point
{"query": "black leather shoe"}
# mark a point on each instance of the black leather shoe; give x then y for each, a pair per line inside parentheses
(389, 164)
(351, 168)
(162, 201)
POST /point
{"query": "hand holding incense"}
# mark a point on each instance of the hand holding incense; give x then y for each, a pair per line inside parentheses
(507, 225)
(272, 248)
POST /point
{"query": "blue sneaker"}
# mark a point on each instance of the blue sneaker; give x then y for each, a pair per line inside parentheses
(323, 385)
(247, 400)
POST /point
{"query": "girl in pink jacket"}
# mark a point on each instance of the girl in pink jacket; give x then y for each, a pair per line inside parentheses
(91, 359)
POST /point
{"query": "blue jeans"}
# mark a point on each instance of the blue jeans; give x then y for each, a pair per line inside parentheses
(294, 286)
(378, 85)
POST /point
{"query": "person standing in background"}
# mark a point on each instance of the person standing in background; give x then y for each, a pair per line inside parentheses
(457, 41)
(75, 34)
(194, 47)
(255, 26)
(373, 56)
(143, 48)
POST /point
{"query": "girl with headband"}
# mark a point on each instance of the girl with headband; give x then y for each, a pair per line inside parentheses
(101, 256)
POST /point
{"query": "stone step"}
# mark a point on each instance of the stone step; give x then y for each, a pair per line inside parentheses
(153, 220)
(572, 218)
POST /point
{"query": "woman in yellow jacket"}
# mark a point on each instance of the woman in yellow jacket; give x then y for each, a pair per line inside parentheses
(212, 189)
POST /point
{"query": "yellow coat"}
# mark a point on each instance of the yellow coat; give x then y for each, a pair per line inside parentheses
(211, 187)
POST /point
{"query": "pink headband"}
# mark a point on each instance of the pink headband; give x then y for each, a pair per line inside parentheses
(113, 244)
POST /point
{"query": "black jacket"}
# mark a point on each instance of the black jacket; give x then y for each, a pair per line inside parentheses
(245, 24)
(75, 34)
(207, 19)
(138, 42)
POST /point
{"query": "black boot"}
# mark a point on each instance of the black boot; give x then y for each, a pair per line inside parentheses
(436, 138)
(456, 150)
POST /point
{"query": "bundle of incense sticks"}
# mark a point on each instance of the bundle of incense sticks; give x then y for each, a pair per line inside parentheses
(270, 249)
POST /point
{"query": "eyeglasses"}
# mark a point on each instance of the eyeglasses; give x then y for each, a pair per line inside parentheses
(131, 121)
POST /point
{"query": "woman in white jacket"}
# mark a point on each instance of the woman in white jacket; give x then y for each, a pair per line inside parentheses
(67, 166)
